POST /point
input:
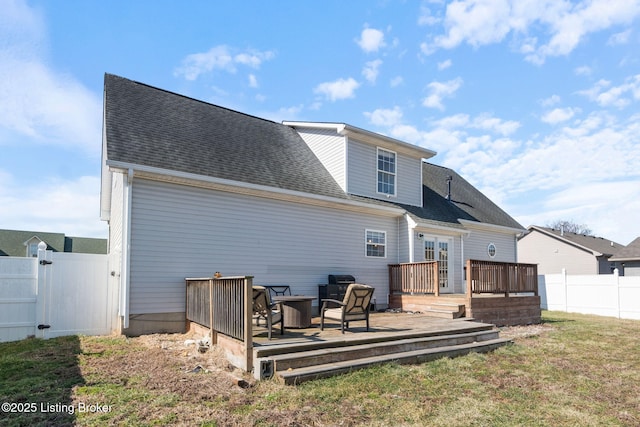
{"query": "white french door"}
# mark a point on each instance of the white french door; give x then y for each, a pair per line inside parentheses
(439, 249)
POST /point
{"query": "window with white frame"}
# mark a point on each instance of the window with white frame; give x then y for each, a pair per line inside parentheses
(32, 249)
(376, 243)
(386, 172)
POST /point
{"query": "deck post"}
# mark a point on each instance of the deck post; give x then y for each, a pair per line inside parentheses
(248, 327)
(469, 280)
(213, 332)
(436, 277)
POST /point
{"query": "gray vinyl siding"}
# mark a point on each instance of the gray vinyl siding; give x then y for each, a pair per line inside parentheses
(330, 149)
(477, 243)
(180, 231)
(362, 174)
(553, 255)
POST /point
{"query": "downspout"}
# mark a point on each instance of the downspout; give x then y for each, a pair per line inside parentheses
(126, 248)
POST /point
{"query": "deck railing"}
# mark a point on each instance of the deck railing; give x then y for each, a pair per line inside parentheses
(414, 278)
(225, 306)
(483, 277)
(487, 277)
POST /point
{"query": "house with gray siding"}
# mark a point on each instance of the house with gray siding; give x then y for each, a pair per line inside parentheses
(23, 243)
(190, 188)
(628, 259)
(555, 250)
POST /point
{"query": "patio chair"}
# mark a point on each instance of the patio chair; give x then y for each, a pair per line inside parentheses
(264, 308)
(354, 306)
(278, 290)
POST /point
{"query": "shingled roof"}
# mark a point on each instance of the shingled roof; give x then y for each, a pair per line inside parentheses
(12, 243)
(597, 245)
(629, 253)
(153, 127)
(466, 201)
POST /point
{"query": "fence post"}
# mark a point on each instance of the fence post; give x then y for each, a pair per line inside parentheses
(616, 276)
(566, 290)
(41, 291)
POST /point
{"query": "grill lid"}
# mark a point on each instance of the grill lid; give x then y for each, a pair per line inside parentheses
(338, 279)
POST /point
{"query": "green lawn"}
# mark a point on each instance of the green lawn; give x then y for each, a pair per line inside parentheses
(580, 371)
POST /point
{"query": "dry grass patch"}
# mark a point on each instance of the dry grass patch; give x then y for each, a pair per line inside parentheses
(572, 370)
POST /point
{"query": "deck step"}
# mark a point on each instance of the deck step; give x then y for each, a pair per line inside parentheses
(298, 375)
(444, 310)
(270, 350)
(287, 361)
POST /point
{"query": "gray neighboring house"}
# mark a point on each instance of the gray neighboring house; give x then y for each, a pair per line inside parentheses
(554, 250)
(190, 188)
(20, 243)
(628, 258)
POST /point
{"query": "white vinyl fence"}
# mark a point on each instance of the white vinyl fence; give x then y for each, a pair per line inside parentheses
(601, 294)
(56, 294)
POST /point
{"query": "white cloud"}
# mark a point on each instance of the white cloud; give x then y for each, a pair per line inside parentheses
(68, 206)
(371, 70)
(253, 81)
(444, 64)
(552, 100)
(584, 70)
(440, 90)
(426, 17)
(396, 81)
(558, 115)
(35, 100)
(339, 89)
(385, 117)
(494, 124)
(371, 40)
(619, 38)
(620, 96)
(566, 24)
(220, 57)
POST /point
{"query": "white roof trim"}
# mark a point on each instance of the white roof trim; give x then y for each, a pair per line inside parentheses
(490, 227)
(185, 178)
(368, 137)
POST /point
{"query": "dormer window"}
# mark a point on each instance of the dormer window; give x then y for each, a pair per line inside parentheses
(386, 172)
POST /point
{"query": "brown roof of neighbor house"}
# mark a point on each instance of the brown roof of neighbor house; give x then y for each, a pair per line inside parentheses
(597, 245)
(629, 253)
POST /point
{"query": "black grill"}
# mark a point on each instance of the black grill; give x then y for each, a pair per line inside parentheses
(341, 279)
(337, 287)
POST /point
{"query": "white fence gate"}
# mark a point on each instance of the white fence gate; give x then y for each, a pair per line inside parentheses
(602, 294)
(56, 294)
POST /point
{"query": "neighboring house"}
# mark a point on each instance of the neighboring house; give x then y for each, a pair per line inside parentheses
(555, 250)
(190, 188)
(628, 258)
(25, 243)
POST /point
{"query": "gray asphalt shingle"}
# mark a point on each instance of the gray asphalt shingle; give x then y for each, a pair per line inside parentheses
(153, 127)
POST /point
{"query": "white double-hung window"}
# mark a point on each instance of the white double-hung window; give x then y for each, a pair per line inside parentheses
(386, 172)
(376, 243)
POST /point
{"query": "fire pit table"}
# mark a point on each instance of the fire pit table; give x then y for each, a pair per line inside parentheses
(296, 310)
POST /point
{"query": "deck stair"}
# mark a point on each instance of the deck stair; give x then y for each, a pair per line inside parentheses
(444, 310)
(293, 363)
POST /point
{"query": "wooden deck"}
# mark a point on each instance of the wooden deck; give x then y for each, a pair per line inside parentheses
(489, 308)
(304, 354)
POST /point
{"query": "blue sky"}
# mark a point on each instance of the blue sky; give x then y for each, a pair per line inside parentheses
(536, 103)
